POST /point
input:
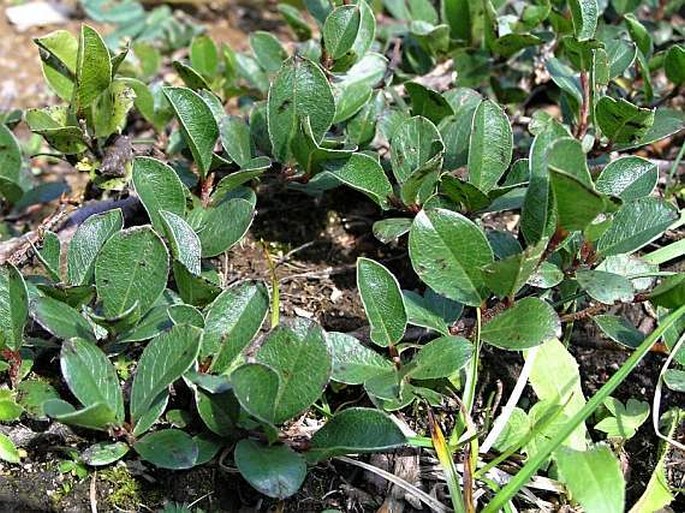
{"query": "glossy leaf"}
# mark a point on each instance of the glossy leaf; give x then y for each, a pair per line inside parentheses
(354, 363)
(383, 302)
(267, 50)
(159, 188)
(132, 267)
(363, 173)
(355, 430)
(222, 226)
(60, 319)
(204, 56)
(584, 14)
(14, 307)
(183, 241)
(8, 451)
(97, 416)
(169, 448)
(629, 178)
(428, 103)
(431, 311)
(299, 90)
(621, 121)
(674, 64)
(198, 125)
(490, 146)
(635, 225)
(276, 471)
(441, 358)
(93, 67)
(340, 30)
(58, 60)
(235, 138)
(163, 361)
(104, 453)
(232, 321)
(90, 376)
(87, 242)
(529, 323)
(293, 367)
(448, 251)
(619, 330)
(577, 204)
(505, 277)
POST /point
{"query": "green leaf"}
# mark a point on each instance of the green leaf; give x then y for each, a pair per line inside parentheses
(383, 303)
(675, 380)
(104, 453)
(159, 188)
(354, 431)
(275, 471)
(87, 242)
(97, 416)
(268, 50)
(198, 125)
(165, 359)
(566, 155)
(594, 478)
(218, 411)
(169, 448)
(415, 144)
(670, 293)
(529, 323)
(132, 267)
(363, 173)
(428, 103)
(111, 108)
(354, 363)
(232, 321)
(93, 67)
(50, 254)
(605, 287)
(447, 251)
(628, 178)
(490, 145)
(556, 381)
(635, 225)
(299, 90)
(441, 358)
(186, 314)
(222, 226)
(619, 330)
(624, 421)
(204, 56)
(191, 77)
(292, 17)
(584, 14)
(667, 122)
(621, 121)
(431, 311)
(236, 140)
(456, 130)
(91, 376)
(674, 64)
(194, 290)
(639, 34)
(183, 241)
(8, 452)
(538, 216)
(60, 319)
(9, 410)
(389, 230)
(59, 52)
(10, 158)
(293, 367)
(505, 277)
(14, 307)
(31, 394)
(340, 30)
(577, 204)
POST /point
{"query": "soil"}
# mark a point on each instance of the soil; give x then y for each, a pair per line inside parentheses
(315, 242)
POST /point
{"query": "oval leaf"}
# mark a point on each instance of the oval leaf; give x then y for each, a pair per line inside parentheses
(276, 471)
(159, 188)
(169, 448)
(447, 251)
(490, 145)
(530, 322)
(131, 268)
(383, 302)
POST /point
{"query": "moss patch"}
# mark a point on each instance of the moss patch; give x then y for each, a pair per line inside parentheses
(122, 489)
